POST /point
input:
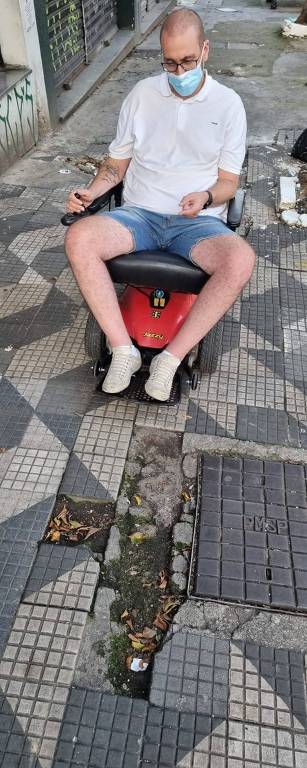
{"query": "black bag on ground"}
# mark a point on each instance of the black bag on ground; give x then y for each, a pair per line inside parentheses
(299, 149)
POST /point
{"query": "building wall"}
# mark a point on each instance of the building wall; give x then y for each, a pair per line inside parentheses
(34, 61)
(20, 47)
(18, 123)
(12, 40)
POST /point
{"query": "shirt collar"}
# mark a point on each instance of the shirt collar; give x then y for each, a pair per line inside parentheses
(165, 89)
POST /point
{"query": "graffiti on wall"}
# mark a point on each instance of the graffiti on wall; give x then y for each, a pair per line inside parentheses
(18, 122)
(63, 19)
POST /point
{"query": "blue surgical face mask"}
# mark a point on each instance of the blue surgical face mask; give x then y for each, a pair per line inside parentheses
(187, 83)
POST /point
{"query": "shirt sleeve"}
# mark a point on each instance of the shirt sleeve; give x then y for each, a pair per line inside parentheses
(122, 146)
(234, 147)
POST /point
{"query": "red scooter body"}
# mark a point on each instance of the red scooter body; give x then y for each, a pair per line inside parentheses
(153, 316)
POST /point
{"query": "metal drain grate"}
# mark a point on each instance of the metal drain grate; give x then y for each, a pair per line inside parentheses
(252, 534)
(136, 390)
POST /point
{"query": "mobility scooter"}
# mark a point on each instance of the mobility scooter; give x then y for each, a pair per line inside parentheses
(160, 289)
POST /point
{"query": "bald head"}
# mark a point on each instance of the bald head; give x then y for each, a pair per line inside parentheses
(179, 21)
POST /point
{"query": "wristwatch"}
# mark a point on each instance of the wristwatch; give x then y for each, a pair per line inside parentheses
(210, 199)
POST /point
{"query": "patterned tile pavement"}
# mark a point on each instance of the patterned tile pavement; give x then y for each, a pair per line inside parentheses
(194, 741)
(191, 675)
(267, 686)
(23, 519)
(62, 577)
(31, 469)
(101, 730)
(221, 705)
(200, 674)
(259, 368)
(93, 476)
(43, 645)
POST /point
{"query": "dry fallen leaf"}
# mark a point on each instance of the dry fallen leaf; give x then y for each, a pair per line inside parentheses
(147, 634)
(126, 617)
(185, 496)
(163, 618)
(63, 515)
(137, 499)
(140, 645)
(150, 647)
(55, 536)
(60, 521)
(129, 624)
(132, 636)
(91, 532)
(170, 605)
(137, 645)
(55, 523)
(138, 537)
(63, 524)
(162, 580)
(160, 623)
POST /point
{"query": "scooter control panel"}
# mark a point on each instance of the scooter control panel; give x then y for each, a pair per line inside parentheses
(159, 298)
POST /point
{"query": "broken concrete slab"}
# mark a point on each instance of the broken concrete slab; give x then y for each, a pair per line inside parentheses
(291, 29)
(286, 196)
(183, 533)
(91, 667)
(291, 218)
(237, 622)
(113, 546)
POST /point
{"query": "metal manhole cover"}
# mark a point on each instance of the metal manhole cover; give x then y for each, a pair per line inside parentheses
(251, 543)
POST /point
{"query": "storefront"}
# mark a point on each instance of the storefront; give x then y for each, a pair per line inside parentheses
(54, 53)
(75, 29)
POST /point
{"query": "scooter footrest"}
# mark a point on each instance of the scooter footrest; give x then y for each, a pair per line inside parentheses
(136, 390)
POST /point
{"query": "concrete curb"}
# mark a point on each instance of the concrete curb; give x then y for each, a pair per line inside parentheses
(227, 445)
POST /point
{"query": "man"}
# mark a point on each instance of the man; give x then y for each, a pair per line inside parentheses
(179, 147)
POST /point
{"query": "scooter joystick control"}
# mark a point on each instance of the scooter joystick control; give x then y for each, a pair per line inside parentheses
(70, 218)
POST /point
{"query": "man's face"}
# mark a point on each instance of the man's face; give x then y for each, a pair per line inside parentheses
(184, 48)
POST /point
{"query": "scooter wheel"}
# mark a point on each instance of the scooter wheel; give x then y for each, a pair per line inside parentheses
(195, 380)
(210, 349)
(94, 339)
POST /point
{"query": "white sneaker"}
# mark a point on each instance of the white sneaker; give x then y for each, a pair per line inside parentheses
(162, 371)
(124, 363)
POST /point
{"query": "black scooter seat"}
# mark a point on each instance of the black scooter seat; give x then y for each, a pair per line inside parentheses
(157, 269)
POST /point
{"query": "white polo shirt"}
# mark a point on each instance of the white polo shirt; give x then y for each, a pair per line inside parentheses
(177, 146)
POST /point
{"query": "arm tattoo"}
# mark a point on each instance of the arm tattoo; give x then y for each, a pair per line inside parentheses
(109, 171)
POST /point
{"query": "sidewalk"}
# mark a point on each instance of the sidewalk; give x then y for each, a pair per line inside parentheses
(228, 687)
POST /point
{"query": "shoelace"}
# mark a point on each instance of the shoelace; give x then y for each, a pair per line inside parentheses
(163, 373)
(120, 363)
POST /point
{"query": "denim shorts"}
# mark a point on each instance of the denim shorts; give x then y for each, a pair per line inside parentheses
(175, 233)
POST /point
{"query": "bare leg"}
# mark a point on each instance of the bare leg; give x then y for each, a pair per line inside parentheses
(230, 262)
(89, 243)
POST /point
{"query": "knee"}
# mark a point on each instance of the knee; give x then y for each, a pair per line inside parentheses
(242, 263)
(78, 242)
(72, 241)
